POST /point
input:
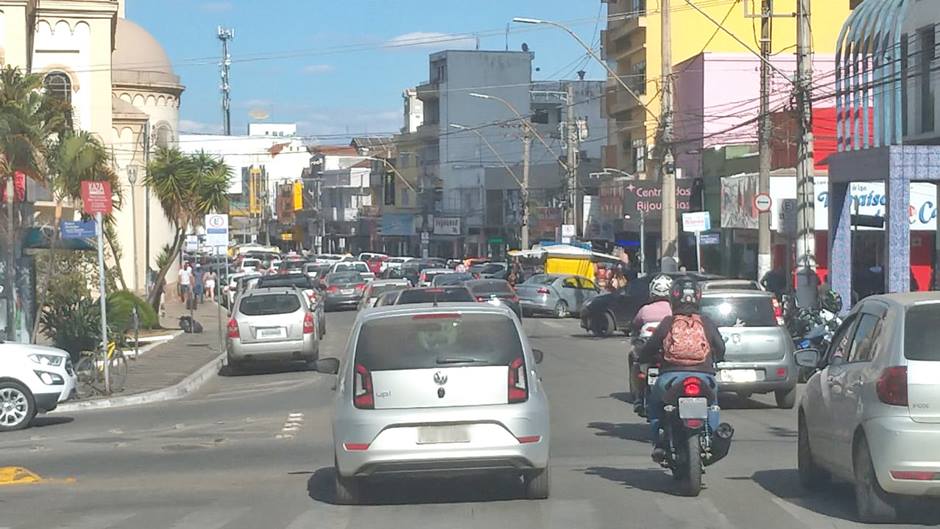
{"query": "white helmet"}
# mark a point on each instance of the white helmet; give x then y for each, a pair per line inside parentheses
(660, 287)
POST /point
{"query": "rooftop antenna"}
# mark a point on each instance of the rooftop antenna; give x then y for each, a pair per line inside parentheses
(226, 35)
(476, 37)
(507, 36)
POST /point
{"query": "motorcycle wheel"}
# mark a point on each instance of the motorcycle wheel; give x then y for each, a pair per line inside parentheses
(690, 483)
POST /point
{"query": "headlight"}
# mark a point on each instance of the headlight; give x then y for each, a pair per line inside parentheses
(51, 379)
(47, 360)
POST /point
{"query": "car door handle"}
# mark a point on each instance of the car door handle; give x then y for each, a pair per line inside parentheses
(831, 379)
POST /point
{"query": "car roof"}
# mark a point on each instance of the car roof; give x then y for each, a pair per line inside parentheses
(718, 293)
(271, 290)
(906, 299)
(437, 270)
(463, 307)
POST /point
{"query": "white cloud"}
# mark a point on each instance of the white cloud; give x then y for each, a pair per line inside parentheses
(216, 7)
(199, 127)
(425, 39)
(315, 69)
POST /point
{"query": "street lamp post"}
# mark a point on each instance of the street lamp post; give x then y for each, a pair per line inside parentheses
(132, 179)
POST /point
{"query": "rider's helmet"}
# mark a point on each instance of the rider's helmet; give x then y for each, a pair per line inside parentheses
(686, 293)
(660, 287)
(831, 301)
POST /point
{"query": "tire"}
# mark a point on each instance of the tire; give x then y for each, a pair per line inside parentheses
(872, 503)
(690, 483)
(786, 399)
(602, 325)
(347, 490)
(17, 406)
(561, 309)
(87, 373)
(812, 476)
(538, 484)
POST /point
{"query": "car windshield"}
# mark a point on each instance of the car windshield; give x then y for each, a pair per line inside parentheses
(433, 340)
(921, 333)
(378, 290)
(339, 278)
(739, 311)
(432, 295)
(540, 279)
(268, 304)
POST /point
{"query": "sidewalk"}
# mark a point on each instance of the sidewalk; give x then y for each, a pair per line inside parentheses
(169, 370)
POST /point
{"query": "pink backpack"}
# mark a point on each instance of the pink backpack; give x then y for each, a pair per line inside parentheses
(686, 343)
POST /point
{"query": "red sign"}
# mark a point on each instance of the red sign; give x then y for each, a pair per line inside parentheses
(96, 197)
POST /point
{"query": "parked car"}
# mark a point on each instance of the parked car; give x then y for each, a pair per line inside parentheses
(434, 295)
(33, 379)
(758, 348)
(457, 278)
(440, 391)
(609, 312)
(556, 294)
(309, 288)
(272, 324)
(871, 413)
(354, 266)
(496, 291)
(343, 290)
(377, 288)
(427, 276)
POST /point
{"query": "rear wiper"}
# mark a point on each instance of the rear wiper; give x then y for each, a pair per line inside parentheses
(460, 360)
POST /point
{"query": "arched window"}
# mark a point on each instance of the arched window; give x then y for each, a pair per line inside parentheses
(58, 84)
(164, 135)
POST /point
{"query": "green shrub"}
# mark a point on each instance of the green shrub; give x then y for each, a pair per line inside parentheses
(73, 323)
(120, 307)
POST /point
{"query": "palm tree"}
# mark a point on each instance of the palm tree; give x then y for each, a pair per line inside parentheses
(188, 187)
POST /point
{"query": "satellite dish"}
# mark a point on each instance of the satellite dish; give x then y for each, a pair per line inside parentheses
(525, 46)
(259, 113)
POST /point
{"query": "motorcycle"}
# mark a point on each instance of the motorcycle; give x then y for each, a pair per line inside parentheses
(686, 436)
(641, 377)
(813, 328)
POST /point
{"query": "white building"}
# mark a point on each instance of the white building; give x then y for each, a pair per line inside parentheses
(344, 176)
(280, 130)
(414, 111)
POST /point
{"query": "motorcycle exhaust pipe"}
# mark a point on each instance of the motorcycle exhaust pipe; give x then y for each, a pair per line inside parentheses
(721, 442)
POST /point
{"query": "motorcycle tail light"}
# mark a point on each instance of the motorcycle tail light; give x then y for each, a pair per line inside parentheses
(694, 423)
(692, 387)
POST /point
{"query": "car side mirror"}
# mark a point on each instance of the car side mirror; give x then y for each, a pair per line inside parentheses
(807, 358)
(539, 355)
(330, 366)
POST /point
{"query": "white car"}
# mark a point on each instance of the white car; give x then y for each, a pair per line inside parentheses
(33, 379)
(354, 266)
(396, 262)
(250, 265)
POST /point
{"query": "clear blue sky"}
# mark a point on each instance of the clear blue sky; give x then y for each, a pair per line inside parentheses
(325, 64)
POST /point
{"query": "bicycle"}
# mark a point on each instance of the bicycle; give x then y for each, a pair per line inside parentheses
(91, 374)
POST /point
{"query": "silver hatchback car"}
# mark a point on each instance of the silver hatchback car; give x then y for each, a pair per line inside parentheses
(272, 324)
(871, 414)
(440, 390)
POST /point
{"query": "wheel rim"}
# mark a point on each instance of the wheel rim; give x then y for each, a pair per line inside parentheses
(561, 310)
(13, 406)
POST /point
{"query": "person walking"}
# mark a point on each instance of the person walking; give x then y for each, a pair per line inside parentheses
(198, 285)
(184, 282)
(210, 285)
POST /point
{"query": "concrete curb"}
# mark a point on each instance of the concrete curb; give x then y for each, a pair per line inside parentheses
(178, 391)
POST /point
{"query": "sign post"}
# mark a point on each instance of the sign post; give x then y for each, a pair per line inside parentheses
(217, 237)
(96, 199)
(697, 223)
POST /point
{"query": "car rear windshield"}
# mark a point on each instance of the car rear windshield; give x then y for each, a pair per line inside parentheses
(541, 279)
(291, 281)
(269, 304)
(430, 295)
(378, 290)
(451, 279)
(435, 340)
(740, 311)
(337, 278)
(921, 333)
(491, 287)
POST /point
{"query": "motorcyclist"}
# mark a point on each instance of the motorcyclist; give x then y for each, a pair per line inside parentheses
(654, 311)
(691, 344)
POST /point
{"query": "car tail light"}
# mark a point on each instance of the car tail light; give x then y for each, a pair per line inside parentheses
(356, 447)
(332, 288)
(360, 287)
(778, 311)
(518, 389)
(308, 323)
(915, 475)
(529, 439)
(483, 298)
(542, 290)
(514, 298)
(233, 329)
(692, 387)
(892, 386)
(363, 398)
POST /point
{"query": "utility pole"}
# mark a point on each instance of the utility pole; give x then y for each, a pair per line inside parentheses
(763, 181)
(805, 218)
(669, 228)
(147, 207)
(526, 151)
(226, 35)
(571, 127)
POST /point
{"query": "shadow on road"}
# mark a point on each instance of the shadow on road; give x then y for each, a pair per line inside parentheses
(263, 368)
(837, 501)
(45, 420)
(629, 431)
(402, 491)
(622, 396)
(650, 480)
(730, 401)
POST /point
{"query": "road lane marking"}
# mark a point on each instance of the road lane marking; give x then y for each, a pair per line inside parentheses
(294, 422)
(98, 521)
(213, 518)
(19, 476)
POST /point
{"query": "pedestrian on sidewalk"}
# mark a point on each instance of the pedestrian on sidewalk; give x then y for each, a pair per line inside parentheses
(199, 284)
(185, 282)
(210, 285)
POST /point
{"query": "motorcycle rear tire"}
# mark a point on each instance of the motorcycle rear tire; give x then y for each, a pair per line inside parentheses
(690, 482)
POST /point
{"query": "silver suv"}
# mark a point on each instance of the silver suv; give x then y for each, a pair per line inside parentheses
(758, 349)
(272, 324)
(442, 390)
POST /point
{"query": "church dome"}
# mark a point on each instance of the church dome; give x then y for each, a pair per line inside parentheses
(138, 58)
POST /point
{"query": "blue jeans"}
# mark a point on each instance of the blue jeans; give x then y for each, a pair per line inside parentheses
(654, 404)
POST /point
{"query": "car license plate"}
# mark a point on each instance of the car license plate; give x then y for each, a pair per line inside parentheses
(428, 435)
(651, 375)
(346, 291)
(273, 332)
(693, 408)
(739, 376)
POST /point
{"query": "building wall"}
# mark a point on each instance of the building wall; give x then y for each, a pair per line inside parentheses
(923, 114)
(272, 129)
(13, 30)
(414, 111)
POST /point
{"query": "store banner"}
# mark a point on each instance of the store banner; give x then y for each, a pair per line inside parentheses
(398, 224)
(446, 225)
(647, 197)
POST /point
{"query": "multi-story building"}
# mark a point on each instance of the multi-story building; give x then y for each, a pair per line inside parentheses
(342, 180)
(632, 44)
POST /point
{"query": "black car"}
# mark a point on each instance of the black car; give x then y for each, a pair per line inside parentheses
(614, 311)
(411, 270)
(495, 291)
(434, 295)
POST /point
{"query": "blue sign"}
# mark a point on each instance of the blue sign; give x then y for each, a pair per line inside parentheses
(623, 243)
(710, 239)
(71, 229)
(398, 224)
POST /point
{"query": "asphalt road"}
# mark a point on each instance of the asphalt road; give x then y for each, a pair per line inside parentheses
(254, 451)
